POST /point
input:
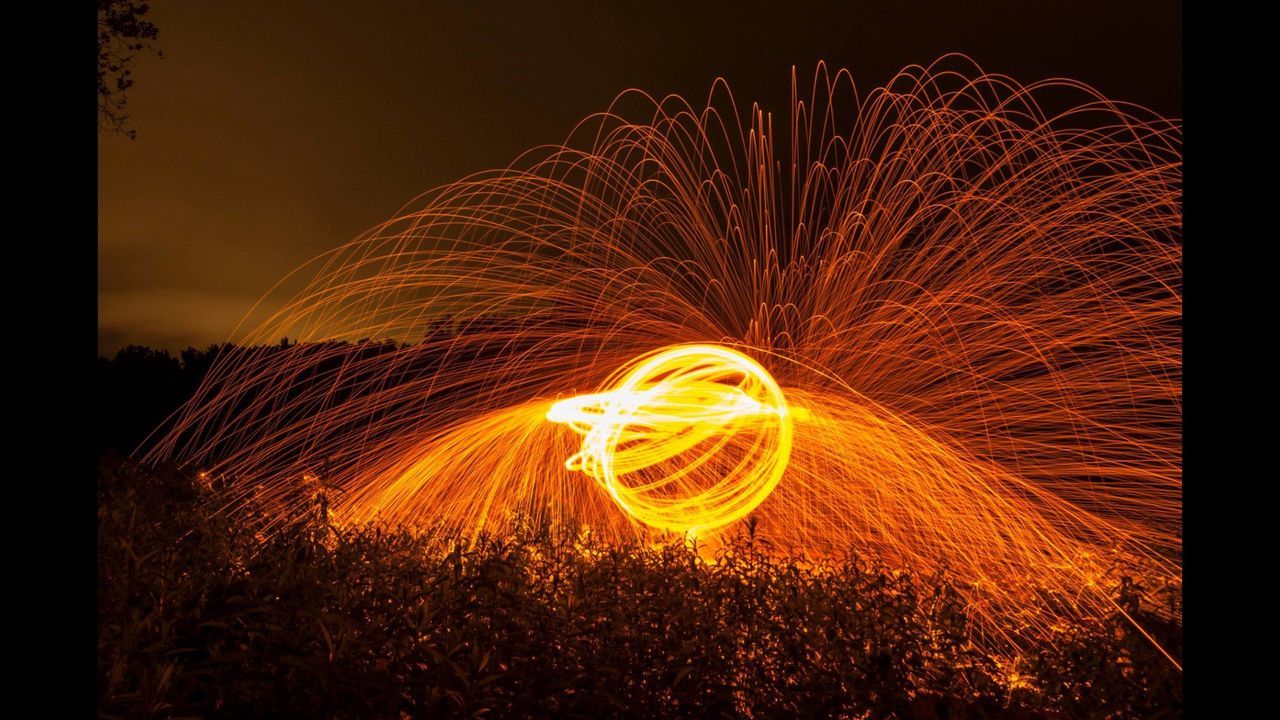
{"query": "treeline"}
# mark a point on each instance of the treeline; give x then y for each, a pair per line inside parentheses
(140, 387)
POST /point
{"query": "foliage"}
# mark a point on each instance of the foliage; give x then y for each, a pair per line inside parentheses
(140, 387)
(122, 32)
(205, 613)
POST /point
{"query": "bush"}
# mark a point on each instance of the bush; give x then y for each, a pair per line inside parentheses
(214, 614)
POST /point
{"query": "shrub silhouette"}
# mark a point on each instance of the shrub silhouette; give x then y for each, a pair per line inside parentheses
(207, 614)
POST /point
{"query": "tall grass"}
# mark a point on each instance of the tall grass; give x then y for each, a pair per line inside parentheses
(204, 615)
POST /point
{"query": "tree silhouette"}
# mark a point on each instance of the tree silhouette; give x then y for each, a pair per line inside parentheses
(121, 33)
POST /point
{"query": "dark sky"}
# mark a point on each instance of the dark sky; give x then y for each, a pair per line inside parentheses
(272, 131)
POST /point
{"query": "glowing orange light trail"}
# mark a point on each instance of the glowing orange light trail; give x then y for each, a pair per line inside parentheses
(939, 322)
(686, 404)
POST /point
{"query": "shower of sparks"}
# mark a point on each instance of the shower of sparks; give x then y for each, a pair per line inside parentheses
(939, 322)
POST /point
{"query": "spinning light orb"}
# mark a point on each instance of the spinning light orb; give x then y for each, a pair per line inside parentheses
(690, 438)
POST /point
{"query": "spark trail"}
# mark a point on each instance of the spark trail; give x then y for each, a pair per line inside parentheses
(939, 322)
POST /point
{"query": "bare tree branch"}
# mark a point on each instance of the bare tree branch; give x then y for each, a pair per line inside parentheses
(121, 34)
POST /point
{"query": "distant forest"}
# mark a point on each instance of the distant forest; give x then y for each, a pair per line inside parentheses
(140, 387)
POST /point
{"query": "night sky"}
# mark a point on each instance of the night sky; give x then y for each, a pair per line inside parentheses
(273, 131)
